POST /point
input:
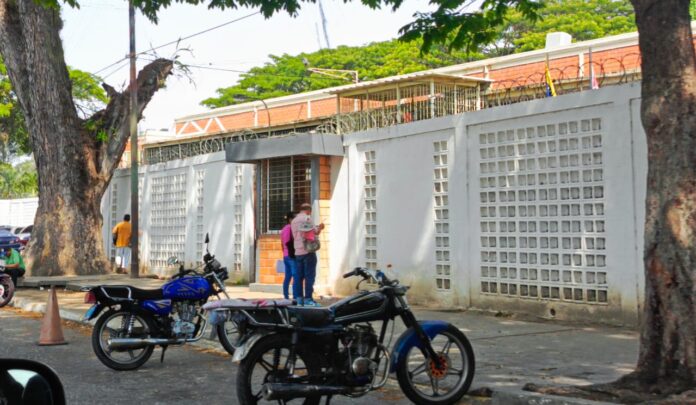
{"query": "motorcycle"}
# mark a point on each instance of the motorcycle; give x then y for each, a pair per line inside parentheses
(288, 352)
(7, 288)
(137, 320)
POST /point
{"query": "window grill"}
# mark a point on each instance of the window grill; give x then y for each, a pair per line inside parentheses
(286, 184)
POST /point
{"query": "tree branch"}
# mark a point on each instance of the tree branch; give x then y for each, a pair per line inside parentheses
(113, 119)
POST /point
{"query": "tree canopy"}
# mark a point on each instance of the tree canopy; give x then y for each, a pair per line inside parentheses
(286, 74)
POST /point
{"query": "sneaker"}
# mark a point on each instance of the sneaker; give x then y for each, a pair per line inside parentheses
(299, 302)
(311, 303)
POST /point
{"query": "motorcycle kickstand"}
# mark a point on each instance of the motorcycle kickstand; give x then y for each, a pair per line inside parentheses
(164, 349)
(328, 399)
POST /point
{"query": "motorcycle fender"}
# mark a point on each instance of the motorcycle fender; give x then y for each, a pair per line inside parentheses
(93, 312)
(243, 350)
(409, 339)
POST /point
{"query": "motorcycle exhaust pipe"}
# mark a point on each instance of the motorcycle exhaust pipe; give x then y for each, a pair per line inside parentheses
(132, 344)
(286, 391)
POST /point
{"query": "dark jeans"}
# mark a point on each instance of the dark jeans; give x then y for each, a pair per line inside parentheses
(306, 272)
(14, 274)
(289, 272)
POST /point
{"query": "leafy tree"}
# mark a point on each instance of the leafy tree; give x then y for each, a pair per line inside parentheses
(18, 181)
(582, 19)
(74, 166)
(287, 74)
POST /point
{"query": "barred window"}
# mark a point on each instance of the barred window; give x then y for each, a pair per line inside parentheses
(286, 183)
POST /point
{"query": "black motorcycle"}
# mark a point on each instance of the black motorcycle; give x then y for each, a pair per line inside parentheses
(289, 352)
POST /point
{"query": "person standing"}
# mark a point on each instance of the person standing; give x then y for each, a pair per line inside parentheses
(306, 244)
(14, 264)
(122, 238)
(287, 241)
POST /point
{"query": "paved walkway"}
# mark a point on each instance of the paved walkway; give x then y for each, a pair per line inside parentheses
(509, 352)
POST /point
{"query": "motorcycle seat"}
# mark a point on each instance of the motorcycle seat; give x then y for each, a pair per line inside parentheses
(312, 317)
(126, 292)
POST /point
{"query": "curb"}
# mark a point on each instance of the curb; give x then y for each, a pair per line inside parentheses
(532, 398)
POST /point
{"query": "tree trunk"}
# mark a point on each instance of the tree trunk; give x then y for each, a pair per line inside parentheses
(667, 360)
(74, 164)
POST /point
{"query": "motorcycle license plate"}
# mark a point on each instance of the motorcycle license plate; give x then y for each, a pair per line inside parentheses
(91, 311)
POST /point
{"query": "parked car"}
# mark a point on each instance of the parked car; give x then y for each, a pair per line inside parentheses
(25, 234)
(8, 240)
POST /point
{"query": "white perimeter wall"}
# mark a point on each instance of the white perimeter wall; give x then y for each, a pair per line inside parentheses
(543, 212)
(180, 202)
(19, 212)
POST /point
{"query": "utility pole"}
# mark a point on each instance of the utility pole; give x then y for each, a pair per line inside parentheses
(135, 256)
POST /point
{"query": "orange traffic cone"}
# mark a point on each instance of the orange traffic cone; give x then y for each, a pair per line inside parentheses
(51, 329)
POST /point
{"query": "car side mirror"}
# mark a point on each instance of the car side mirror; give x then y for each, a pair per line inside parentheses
(29, 382)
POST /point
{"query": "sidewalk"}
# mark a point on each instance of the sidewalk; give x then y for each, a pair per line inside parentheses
(509, 352)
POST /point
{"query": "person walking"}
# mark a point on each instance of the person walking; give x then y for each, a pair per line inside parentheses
(306, 244)
(14, 264)
(122, 238)
(287, 241)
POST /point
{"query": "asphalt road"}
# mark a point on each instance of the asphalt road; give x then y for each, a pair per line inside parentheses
(188, 375)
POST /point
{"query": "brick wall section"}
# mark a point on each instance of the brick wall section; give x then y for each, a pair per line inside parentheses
(325, 218)
(270, 252)
(237, 121)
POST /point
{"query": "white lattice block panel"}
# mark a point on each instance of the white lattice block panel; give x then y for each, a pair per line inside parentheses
(542, 212)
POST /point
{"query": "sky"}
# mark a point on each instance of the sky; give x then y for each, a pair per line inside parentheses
(96, 35)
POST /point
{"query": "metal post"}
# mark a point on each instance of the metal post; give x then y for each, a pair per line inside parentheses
(135, 257)
(338, 115)
(432, 98)
(398, 104)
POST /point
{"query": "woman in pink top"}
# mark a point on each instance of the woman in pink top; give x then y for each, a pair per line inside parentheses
(286, 240)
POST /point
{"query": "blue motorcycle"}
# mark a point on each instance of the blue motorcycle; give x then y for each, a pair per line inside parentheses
(137, 320)
(291, 353)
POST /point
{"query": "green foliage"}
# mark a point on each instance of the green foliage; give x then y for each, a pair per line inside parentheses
(18, 181)
(87, 92)
(583, 19)
(287, 74)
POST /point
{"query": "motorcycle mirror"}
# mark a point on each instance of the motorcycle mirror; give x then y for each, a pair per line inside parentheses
(207, 239)
(172, 261)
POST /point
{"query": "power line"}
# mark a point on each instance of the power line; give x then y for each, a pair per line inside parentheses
(201, 32)
(181, 39)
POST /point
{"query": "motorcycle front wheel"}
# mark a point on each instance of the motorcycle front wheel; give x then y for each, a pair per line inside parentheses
(266, 362)
(116, 324)
(424, 382)
(7, 289)
(228, 334)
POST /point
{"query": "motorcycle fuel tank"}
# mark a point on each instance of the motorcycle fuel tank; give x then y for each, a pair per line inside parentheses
(195, 288)
(367, 306)
(160, 307)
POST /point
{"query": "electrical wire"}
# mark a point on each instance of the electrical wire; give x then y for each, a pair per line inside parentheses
(180, 39)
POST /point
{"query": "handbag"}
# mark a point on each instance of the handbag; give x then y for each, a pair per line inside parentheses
(312, 246)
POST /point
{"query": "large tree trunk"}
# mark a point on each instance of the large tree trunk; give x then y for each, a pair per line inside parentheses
(74, 161)
(668, 334)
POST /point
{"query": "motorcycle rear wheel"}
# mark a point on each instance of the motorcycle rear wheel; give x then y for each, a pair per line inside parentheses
(107, 326)
(259, 356)
(420, 379)
(7, 290)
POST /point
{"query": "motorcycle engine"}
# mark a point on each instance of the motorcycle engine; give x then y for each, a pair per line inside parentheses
(184, 326)
(361, 343)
